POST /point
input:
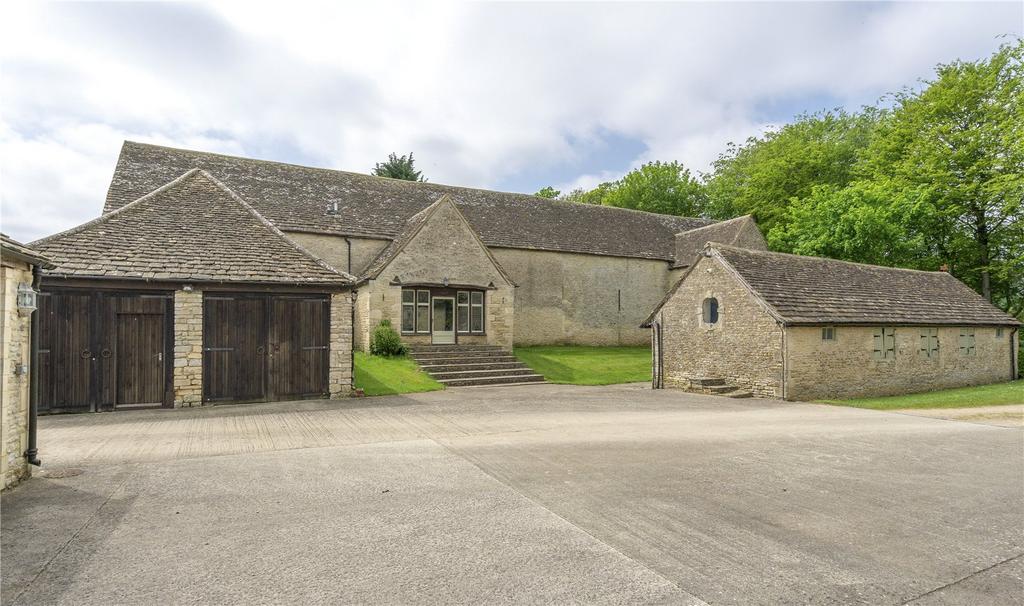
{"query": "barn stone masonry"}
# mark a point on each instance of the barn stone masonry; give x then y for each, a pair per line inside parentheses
(744, 346)
(188, 348)
(339, 378)
(14, 384)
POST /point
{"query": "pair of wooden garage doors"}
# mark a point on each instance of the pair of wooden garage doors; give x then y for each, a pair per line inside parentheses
(105, 350)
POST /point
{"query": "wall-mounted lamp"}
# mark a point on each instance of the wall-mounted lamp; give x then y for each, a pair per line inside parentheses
(27, 301)
(445, 281)
(186, 287)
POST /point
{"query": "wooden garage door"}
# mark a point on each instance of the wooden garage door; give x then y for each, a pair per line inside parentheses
(102, 350)
(264, 347)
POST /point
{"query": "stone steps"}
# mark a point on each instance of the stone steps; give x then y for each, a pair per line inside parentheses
(717, 387)
(465, 365)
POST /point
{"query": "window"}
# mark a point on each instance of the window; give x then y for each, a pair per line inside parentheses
(967, 342)
(476, 311)
(463, 312)
(929, 342)
(885, 344)
(423, 311)
(408, 311)
(709, 311)
(828, 333)
(999, 333)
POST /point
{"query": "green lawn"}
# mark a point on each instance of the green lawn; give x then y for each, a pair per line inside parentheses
(588, 365)
(983, 395)
(380, 376)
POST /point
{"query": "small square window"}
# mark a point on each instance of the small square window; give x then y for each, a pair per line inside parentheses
(999, 333)
(828, 333)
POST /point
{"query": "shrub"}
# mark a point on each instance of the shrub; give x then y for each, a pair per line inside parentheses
(385, 341)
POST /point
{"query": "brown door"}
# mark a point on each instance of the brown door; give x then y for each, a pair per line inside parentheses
(140, 360)
(66, 355)
(234, 347)
(298, 347)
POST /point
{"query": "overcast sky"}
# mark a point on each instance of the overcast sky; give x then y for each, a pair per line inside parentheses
(503, 96)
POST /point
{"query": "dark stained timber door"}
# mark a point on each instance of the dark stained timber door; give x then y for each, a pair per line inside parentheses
(101, 350)
(298, 347)
(234, 347)
(264, 347)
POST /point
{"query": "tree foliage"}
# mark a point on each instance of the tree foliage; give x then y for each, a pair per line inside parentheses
(548, 192)
(658, 187)
(398, 167)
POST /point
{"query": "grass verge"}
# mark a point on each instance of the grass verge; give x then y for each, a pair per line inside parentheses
(962, 397)
(380, 376)
(576, 365)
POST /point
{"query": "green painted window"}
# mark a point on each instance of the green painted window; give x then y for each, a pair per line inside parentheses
(967, 342)
(463, 312)
(828, 333)
(408, 311)
(423, 311)
(929, 342)
(885, 344)
(476, 311)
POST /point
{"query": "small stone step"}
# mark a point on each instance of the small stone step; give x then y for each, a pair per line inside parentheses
(451, 348)
(454, 366)
(492, 380)
(481, 374)
(739, 393)
(706, 381)
(718, 389)
(483, 359)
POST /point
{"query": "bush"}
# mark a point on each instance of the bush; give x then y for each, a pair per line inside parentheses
(385, 341)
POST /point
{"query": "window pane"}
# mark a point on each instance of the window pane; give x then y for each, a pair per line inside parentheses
(423, 318)
(463, 298)
(408, 318)
(408, 296)
(423, 296)
(464, 318)
(477, 318)
(478, 298)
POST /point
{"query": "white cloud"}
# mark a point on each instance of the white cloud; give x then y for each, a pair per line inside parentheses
(482, 93)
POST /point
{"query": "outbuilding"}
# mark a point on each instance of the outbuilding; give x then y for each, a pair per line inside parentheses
(185, 296)
(805, 328)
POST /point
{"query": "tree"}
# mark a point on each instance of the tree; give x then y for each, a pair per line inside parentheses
(548, 192)
(761, 176)
(658, 187)
(398, 167)
(959, 143)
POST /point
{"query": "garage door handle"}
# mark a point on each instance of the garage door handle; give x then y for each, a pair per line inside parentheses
(261, 350)
(106, 353)
(86, 353)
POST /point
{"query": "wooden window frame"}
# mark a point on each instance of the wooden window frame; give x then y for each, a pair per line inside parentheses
(828, 333)
(411, 304)
(882, 352)
(483, 316)
(420, 330)
(968, 342)
(706, 311)
(999, 332)
(462, 311)
(929, 343)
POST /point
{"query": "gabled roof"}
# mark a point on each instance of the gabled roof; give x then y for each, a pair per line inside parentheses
(10, 247)
(191, 229)
(815, 290)
(413, 227)
(741, 231)
(297, 198)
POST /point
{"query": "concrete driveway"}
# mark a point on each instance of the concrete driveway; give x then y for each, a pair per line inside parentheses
(540, 494)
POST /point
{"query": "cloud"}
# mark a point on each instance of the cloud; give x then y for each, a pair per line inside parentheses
(519, 95)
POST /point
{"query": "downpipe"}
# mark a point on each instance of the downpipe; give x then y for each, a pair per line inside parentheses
(32, 453)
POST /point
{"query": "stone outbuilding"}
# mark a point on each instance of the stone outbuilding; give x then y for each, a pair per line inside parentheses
(188, 295)
(807, 328)
(19, 276)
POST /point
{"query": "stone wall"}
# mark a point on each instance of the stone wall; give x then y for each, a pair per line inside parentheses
(577, 299)
(844, 368)
(339, 378)
(188, 348)
(14, 384)
(744, 346)
(334, 250)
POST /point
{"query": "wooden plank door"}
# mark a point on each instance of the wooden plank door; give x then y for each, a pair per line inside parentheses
(298, 347)
(140, 366)
(66, 352)
(234, 347)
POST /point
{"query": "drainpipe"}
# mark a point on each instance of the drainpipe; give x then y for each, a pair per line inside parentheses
(32, 454)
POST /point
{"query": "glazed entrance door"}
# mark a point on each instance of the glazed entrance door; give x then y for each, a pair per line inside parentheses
(443, 320)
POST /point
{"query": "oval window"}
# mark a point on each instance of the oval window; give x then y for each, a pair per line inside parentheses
(711, 310)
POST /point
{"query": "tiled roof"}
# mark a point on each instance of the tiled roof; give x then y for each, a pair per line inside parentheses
(690, 244)
(190, 229)
(10, 247)
(816, 290)
(297, 198)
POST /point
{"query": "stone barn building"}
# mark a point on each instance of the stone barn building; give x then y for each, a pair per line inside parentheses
(806, 328)
(19, 272)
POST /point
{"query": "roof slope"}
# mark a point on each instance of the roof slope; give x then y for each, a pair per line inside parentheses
(816, 290)
(10, 247)
(192, 229)
(741, 231)
(296, 198)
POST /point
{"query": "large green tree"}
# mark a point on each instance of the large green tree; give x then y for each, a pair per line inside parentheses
(398, 167)
(762, 175)
(659, 187)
